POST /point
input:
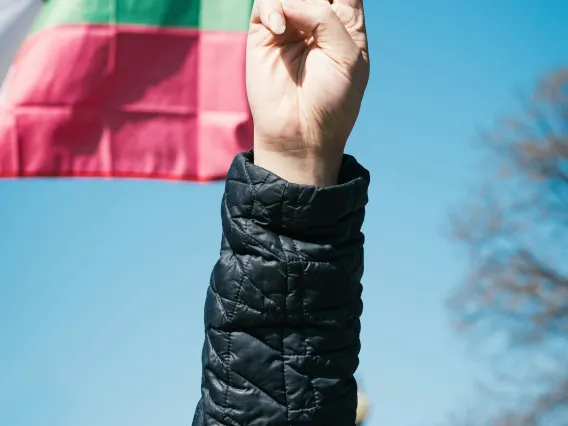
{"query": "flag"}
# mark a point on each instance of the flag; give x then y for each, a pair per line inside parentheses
(124, 88)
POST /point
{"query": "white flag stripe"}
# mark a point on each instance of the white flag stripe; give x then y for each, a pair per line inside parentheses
(16, 18)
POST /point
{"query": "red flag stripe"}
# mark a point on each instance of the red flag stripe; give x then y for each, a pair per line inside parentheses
(96, 101)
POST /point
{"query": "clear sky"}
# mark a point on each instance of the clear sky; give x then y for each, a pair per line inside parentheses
(102, 283)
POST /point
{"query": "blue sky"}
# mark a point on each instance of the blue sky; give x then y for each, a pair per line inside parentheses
(102, 283)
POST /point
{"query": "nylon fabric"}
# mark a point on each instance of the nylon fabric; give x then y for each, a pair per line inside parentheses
(284, 301)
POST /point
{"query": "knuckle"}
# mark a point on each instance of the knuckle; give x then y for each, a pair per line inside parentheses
(325, 12)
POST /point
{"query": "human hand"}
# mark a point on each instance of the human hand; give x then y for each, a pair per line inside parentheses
(307, 71)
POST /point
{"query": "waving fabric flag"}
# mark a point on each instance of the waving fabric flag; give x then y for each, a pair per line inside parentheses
(124, 88)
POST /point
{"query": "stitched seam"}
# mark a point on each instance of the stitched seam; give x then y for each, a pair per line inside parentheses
(255, 192)
(241, 231)
(226, 366)
(224, 406)
(282, 329)
(320, 354)
(305, 313)
(304, 308)
(232, 318)
(249, 182)
(287, 408)
(243, 272)
(224, 410)
(242, 305)
(282, 203)
(248, 381)
(240, 286)
(228, 370)
(220, 300)
(297, 253)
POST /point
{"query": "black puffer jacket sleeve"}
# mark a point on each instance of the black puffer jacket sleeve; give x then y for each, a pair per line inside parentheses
(283, 306)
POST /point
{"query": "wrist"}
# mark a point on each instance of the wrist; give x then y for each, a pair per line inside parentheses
(301, 168)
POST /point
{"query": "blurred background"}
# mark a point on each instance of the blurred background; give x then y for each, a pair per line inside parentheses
(465, 131)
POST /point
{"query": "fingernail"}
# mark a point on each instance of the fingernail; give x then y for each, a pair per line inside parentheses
(277, 24)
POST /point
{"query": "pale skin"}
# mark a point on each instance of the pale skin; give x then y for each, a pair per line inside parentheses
(307, 71)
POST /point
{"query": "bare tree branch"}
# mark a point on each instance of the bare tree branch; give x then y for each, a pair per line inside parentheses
(515, 233)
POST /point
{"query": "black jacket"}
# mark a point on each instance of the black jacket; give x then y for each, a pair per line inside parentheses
(284, 301)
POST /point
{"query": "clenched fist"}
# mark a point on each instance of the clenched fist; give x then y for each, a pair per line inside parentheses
(307, 70)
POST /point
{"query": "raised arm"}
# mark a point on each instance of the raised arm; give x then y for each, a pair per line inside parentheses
(283, 306)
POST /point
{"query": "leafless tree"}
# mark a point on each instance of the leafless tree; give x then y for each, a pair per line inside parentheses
(514, 230)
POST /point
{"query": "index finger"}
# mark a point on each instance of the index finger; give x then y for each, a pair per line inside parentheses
(269, 13)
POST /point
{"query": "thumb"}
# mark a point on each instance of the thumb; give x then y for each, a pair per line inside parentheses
(320, 20)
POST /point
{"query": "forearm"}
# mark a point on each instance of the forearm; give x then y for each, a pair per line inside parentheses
(283, 307)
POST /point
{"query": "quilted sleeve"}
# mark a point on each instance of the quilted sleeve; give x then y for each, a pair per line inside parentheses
(284, 301)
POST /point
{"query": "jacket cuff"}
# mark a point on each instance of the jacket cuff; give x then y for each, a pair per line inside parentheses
(289, 208)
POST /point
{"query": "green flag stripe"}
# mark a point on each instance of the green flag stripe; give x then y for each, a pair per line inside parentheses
(215, 15)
